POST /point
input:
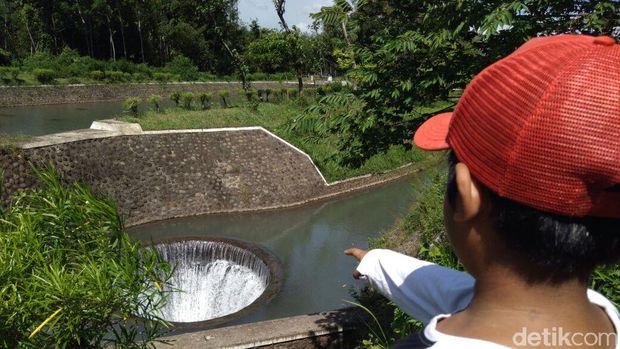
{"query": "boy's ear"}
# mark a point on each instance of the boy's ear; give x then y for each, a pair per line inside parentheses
(468, 203)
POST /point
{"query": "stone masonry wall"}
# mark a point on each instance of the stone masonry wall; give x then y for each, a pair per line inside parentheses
(160, 175)
(63, 94)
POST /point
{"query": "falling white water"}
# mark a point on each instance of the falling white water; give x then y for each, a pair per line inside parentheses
(213, 278)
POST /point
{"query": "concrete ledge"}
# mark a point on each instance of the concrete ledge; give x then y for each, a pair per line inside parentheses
(116, 126)
(333, 329)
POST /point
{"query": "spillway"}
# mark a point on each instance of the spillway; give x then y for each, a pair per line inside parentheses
(212, 279)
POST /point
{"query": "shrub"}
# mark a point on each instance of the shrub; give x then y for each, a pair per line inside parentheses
(224, 94)
(261, 94)
(40, 60)
(250, 95)
(268, 92)
(44, 75)
(155, 100)
(175, 97)
(292, 92)
(187, 98)
(97, 75)
(74, 80)
(283, 93)
(162, 77)
(117, 76)
(8, 74)
(83, 66)
(139, 77)
(131, 105)
(183, 67)
(205, 99)
(71, 277)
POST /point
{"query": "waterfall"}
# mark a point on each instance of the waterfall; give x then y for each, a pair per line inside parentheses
(212, 279)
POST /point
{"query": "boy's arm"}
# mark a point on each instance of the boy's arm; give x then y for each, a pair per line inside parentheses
(421, 289)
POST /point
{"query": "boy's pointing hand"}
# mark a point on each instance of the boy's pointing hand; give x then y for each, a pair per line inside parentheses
(358, 254)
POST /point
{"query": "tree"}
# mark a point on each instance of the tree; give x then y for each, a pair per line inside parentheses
(407, 65)
(295, 43)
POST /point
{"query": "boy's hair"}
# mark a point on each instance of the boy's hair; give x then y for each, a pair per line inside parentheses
(547, 247)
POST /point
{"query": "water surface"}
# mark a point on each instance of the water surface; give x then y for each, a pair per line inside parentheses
(45, 119)
(309, 242)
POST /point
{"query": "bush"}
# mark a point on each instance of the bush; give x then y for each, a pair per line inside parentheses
(183, 67)
(155, 100)
(261, 94)
(8, 75)
(250, 95)
(224, 94)
(40, 60)
(283, 93)
(131, 105)
(71, 277)
(162, 77)
(97, 75)
(268, 93)
(187, 98)
(175, 97)
(205, 99)
(44, 76)
(292, 92)
(117, 76)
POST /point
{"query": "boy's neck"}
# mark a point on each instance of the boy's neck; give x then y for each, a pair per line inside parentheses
(500, 289)
(503, 304)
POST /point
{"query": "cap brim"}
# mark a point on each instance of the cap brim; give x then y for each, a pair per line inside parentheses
(433, 133)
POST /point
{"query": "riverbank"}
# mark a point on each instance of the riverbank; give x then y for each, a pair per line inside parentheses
(277, 117)
(11, 96)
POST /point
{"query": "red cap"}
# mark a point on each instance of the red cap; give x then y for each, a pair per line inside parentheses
(542, 126)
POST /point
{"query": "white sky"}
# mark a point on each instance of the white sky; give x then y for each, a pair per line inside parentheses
(297, 12)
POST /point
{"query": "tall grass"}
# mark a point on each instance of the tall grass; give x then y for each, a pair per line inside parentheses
(70, 277)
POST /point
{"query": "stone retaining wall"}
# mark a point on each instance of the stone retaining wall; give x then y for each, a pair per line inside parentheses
(64, 94)
(167, 174)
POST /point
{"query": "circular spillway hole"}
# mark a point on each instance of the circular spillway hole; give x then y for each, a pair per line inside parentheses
(217, 278)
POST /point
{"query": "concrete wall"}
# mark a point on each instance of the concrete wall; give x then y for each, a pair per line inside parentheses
(160, 175)
(61, 94)
(337, 329)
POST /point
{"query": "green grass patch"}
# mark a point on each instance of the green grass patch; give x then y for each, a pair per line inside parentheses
(12, 141)
(276, 117)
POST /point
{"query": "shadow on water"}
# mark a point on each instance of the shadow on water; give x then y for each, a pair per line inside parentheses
(308, 241)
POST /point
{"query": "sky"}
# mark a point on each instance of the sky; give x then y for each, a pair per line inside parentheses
(297, 12)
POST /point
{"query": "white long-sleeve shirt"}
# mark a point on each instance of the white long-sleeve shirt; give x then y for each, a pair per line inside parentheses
(429, 293)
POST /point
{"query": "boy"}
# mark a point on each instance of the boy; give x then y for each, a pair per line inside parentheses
(532, 205)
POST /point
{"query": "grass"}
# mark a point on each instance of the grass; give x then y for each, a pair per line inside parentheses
(12, 141)
(71, 275)
(276, 117)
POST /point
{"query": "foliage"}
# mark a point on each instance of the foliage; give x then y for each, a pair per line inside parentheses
(175, 97)
(155, 100)
(427, 49)
(205, 99)
(224, 94)
(187, 98)
(269, 53)
(131, 105)
(183, 67)
(44, 75)
(71, 277)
